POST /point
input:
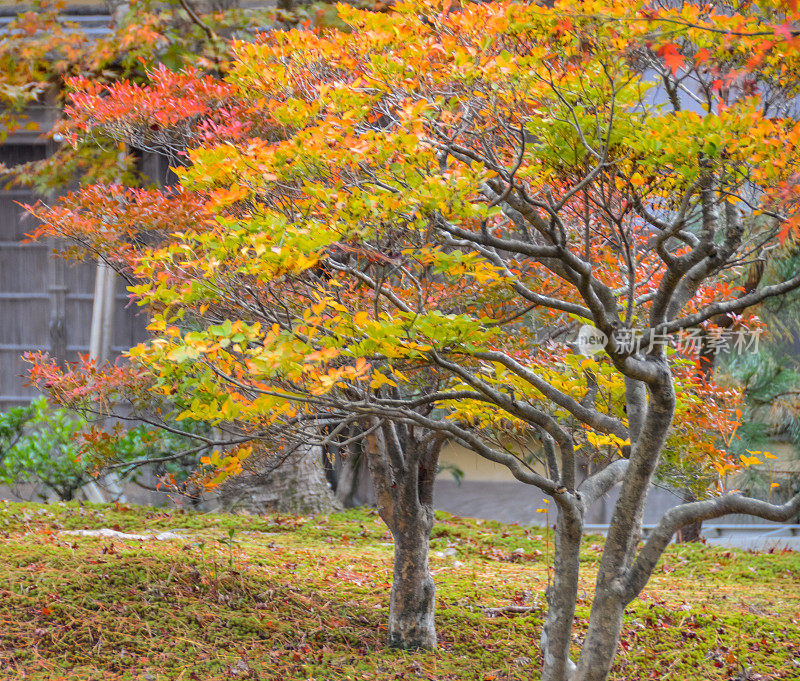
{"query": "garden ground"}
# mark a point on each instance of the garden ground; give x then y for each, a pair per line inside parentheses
(278, 597)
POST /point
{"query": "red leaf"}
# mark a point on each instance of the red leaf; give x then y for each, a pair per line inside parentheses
(786, 230)
(672, 58)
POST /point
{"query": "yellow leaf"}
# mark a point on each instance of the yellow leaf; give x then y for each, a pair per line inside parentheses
(379, 379)
(749, 460)
(768, 455)
(637, 180)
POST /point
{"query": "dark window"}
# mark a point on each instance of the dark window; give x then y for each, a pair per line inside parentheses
(14, 154)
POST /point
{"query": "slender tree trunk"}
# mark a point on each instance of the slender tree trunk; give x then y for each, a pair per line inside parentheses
(347, 479)
(561, 598)
(353, 480)
(605, 621)
(600, 645)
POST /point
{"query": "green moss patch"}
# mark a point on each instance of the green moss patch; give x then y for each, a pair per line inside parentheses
(277, 597)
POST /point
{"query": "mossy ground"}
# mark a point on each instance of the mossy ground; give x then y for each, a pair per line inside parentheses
(306, 598)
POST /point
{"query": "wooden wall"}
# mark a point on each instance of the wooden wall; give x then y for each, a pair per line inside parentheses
(45, 302)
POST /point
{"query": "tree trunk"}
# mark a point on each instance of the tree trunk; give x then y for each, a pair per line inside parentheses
(412, 600)
(562, 595)
(292, 484)
(353, 481)
(600, 645)
(346, 479)
(403, 469)
(605, 620)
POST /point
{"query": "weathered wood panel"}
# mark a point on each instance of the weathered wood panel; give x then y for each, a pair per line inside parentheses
(24, 298)
(45, 303)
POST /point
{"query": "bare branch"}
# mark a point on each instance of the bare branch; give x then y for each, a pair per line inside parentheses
(686, 514)
(595, 486)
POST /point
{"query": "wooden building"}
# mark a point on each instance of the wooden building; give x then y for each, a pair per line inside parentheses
(46, 303)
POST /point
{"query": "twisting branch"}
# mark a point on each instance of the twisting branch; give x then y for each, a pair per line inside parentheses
(584, 413)
(731, 305)
(686, 514)
(212, 35)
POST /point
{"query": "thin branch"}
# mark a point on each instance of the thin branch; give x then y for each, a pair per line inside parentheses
(197, 20)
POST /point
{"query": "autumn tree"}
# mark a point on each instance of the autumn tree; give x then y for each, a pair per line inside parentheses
(402, 460)
(409, 222)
